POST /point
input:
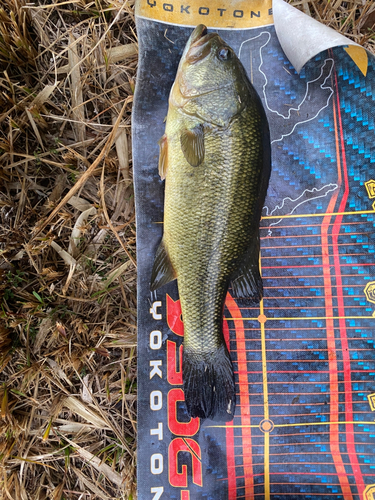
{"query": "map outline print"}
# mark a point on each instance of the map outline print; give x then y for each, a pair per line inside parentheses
(308, 83)
(299, 107)
(330, 188)
(327, 187)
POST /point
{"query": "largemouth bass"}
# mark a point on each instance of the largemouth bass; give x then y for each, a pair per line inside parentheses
(215, 158)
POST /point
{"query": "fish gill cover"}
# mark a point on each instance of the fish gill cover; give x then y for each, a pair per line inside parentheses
(303, 358)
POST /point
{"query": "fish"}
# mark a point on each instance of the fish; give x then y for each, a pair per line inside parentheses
(215, 157)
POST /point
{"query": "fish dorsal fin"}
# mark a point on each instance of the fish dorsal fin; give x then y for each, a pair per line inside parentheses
(162, 272)
(192, 145)
(163, 156)
(247, 281)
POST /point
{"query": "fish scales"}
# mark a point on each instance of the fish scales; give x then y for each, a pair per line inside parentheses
(215, 160)
(207, 222)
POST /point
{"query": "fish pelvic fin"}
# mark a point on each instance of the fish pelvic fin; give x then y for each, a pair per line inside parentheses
(163, 271)
(209, 386)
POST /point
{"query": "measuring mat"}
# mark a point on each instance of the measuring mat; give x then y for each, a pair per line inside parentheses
(303, 359)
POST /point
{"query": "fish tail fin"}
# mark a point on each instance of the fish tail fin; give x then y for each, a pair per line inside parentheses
(209, 386)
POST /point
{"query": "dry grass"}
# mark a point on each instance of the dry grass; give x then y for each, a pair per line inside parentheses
(353, 18)
(67, 243)
(68, 312)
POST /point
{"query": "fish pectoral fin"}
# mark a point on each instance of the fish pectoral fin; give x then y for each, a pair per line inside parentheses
(247, 281)
(192, 145)
(163, 156)
(162, 272)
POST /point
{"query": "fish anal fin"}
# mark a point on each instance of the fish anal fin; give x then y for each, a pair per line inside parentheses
(163, 156)
(248, 285)
(247, 281)
(192, 145)
(162, 272)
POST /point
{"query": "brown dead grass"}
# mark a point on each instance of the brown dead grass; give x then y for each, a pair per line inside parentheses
(67, 235)
(67, 243)
(353, 18)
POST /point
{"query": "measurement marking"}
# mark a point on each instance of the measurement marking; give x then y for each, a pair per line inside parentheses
(290, 307)
(304, 424)
(305, 382)
(317, 361)
(321, 403)
(294, 216)
(308, 226)
(298, 236)
(304, 318)
(311, 372)
(357, 264)
(315, 256)
(265, 402)
(305, 443)
(314, 276)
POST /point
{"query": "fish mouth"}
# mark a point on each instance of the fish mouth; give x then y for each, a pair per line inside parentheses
(199, 32)
(200, 45)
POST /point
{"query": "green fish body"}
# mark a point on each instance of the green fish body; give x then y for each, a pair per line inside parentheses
(215, 157)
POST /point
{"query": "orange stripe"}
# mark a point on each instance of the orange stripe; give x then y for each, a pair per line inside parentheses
(229, 436)
(342, 323)
(332, 359)
(244, 395)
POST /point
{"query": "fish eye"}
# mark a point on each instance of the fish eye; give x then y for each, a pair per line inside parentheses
(223, 53)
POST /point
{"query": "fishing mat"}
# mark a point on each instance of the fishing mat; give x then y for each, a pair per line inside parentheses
(303, 358)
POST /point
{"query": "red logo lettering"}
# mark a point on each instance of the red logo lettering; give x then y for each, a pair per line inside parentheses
(179, 479)
(175, 426)
(174, 316)
(174, 377)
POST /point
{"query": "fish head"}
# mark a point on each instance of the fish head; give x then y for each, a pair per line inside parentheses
(210, 80)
